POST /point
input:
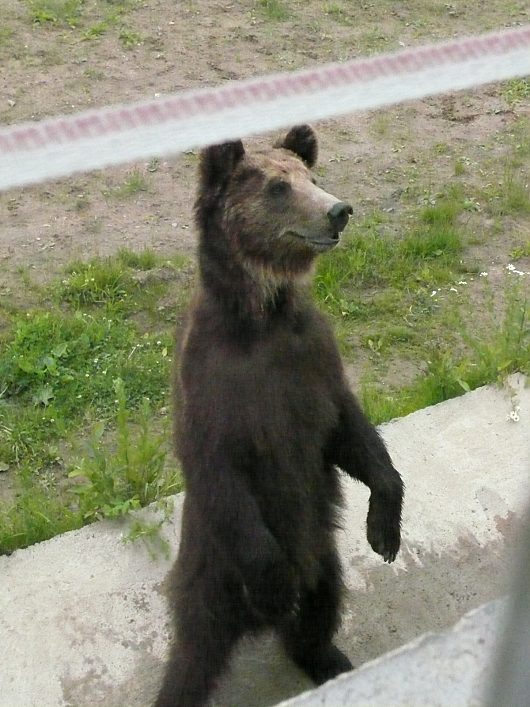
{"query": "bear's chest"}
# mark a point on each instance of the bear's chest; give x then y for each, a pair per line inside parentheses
(279, 390)
(286, 389)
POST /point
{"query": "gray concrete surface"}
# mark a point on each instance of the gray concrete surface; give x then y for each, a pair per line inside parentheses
(83, 617)
(450, 669)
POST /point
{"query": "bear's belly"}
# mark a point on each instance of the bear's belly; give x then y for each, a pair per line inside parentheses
(297, 490)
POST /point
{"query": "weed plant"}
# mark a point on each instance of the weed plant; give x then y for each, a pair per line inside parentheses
(133, 474)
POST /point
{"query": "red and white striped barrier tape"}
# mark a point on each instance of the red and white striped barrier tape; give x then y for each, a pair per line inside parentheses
(55, 147)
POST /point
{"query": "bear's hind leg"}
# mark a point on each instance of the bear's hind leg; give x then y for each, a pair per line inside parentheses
(207, 630)
(307, 636)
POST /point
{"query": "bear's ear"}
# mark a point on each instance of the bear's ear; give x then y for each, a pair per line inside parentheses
(219, 161)
(303, 142)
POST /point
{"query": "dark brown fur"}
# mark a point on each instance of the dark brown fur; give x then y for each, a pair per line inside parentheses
(267, 418)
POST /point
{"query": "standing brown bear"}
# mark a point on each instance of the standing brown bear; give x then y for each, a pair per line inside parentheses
(266, 420)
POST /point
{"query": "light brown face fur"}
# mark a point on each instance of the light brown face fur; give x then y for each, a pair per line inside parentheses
(275, 215)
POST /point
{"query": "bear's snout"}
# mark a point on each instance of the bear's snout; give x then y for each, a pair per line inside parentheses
(338, 215)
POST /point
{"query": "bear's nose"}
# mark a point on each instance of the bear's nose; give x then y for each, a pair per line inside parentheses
(339, 215)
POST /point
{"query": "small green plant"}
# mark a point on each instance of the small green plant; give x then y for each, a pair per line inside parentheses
(149, 535)
(460, 168)
(94, 74)
(145, 259)
(522, 251)
(100, 281)
(274, 9)
(131, 477)
(510, 196)
(63, 12)
(130, 39)
(516, 90)
(96, 31)
(134, 183)
(6, 34)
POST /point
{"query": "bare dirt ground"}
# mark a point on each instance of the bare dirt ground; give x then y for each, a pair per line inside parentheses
(161, 46)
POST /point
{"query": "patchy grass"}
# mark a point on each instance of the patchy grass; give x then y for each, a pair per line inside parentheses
(59, 367)
(425, 257)
(129, 38)
(60, 12)
(109, 481)
(274, 9)
(500, 348)
(134, 183)
(6, 35)
(516, 90)
(511, 196)
(92, 20)
(83, 361)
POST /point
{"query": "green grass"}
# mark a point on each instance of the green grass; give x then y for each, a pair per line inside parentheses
(133, 185)
(82, 361)
(509, 196)
(274, 9)
(116, 283)
(36, 515)
(108, 481)
(425, 256)
(63, 12)
(129, 38)
(6, 35)
(489, 355)
(516, 90)
(59, 366)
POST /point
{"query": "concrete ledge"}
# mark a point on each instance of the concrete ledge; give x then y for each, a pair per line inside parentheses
(451, 669)
(83, 617)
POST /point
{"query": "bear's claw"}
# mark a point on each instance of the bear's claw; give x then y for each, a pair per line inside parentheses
(383, 538)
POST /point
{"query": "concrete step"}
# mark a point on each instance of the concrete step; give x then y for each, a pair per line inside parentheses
(84, 621)
(448, 669)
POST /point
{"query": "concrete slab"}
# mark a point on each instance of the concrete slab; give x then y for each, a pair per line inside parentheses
(450, 669)
(482, 661)
(83, 617)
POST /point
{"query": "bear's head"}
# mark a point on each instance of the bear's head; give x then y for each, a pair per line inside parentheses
(265, 206)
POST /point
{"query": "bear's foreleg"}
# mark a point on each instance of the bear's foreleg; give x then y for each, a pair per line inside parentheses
(358, 449)
(308, 634)
(237, 529)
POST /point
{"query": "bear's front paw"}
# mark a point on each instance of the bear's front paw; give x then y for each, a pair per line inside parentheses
(383, 531)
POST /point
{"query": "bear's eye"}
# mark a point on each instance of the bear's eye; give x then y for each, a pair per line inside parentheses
(278, 187)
